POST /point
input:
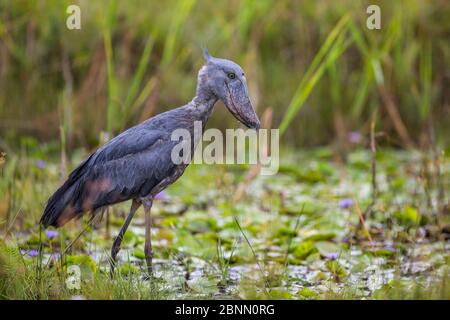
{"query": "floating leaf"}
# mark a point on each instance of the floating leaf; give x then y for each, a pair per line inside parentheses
(280, 294)
(138, 254)
(386, 252)
(321, 236)
(304, 249)
(359, 267)
(306, 293)
(326, 248)
(409, 216)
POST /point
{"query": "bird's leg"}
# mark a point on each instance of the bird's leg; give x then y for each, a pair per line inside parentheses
(118, 240)
(147, 202)
(107, 233)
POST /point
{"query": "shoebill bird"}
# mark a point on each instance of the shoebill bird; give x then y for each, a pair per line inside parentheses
(136, 165)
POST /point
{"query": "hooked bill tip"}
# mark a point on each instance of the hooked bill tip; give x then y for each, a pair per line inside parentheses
(253, 125)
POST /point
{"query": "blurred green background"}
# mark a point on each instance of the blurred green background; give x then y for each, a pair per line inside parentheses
(362, 190)
(314, 63)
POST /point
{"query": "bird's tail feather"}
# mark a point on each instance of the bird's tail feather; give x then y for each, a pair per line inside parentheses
(61, 206)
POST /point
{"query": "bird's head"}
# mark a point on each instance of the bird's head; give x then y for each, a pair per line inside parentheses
(226, 81)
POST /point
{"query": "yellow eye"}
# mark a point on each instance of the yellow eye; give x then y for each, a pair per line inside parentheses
(231, 75)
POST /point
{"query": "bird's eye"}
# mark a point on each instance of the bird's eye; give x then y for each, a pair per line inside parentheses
(231, 75)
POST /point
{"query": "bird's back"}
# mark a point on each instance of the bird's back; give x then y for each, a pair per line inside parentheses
(128, 166)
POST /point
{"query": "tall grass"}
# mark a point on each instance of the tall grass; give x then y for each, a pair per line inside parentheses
(19, 281)
(131, 60)
(331, 49)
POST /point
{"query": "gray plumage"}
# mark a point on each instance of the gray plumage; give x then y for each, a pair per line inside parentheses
(129, 166)
(137, 163)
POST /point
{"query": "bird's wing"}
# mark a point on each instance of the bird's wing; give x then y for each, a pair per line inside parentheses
(131, 176)
(131, 163)
(131, 141)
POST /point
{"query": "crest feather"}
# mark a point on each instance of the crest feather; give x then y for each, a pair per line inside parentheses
(206, 54)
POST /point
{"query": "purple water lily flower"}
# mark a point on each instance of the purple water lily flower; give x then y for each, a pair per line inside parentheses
(332, 255)
(51, 234)
(354, 137)
(41, 164)
(346, 203)
(33, 253)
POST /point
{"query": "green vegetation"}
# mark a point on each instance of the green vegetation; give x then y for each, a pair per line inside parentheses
(292, 235)
(359, 208)
(315, 64)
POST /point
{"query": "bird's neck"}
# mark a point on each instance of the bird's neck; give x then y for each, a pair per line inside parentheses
(204, 99)
(202, 106)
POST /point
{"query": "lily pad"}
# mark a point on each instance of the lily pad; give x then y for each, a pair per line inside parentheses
(139, 254)
(306, 293)
(321, 236)
(408, 216)
(304, 249)
(280, 294)
(326, 248)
